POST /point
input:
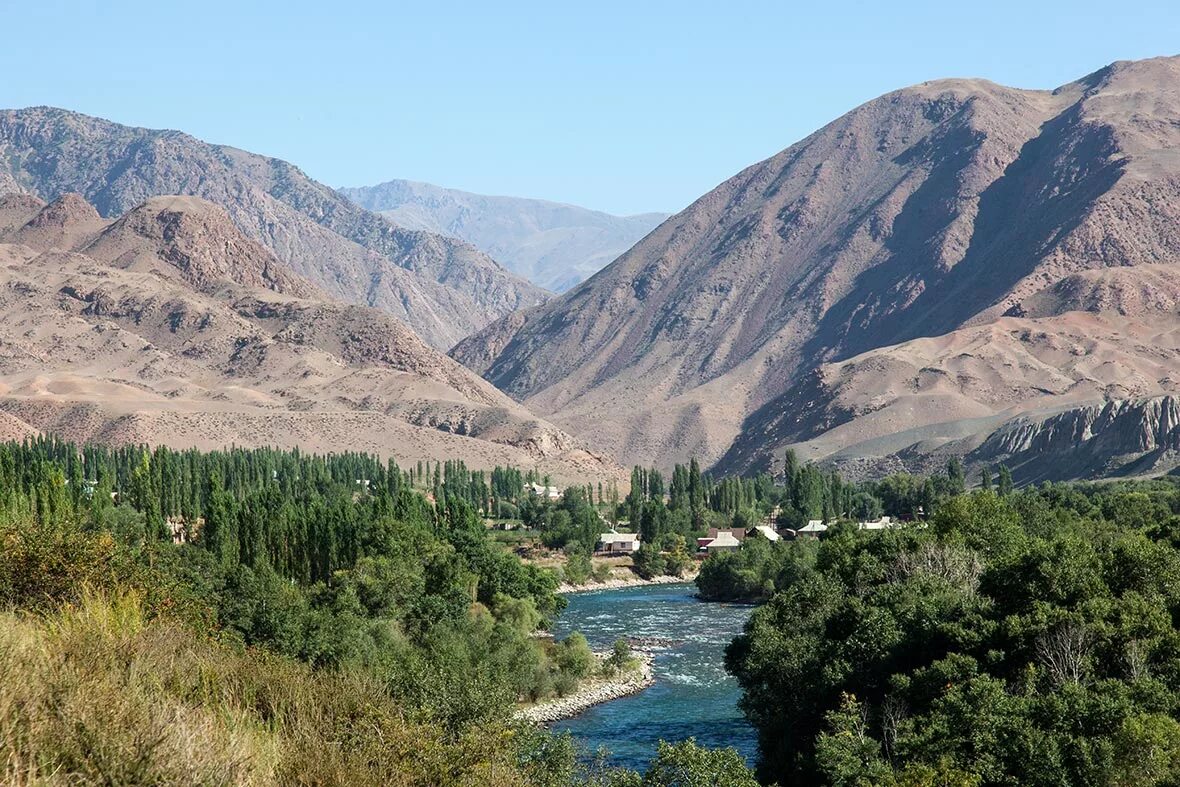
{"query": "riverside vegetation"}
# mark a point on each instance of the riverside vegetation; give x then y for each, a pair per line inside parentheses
(1015, 637)
(259, 617)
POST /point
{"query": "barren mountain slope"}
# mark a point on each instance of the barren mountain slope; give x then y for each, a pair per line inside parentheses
(167, 325)
(551, 244)
(441, 287)
(938, 207)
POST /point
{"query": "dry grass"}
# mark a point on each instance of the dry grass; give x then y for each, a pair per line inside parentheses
(96, 694)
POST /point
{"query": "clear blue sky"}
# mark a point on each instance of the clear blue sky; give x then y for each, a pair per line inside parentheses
(622, 106)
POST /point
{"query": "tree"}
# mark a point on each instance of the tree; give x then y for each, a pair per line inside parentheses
(956, 480)
(847, 754)
(686, 764)
(1005, 481)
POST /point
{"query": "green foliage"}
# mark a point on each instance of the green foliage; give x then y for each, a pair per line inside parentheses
(100, 692)
(1025, 637)
(574, 656)
(620, 658)
(686, 764)
(577, 567)
(649, 562)
(288, 559)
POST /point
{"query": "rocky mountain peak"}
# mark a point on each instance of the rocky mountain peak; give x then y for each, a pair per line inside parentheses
(67, 210)
(197, 238)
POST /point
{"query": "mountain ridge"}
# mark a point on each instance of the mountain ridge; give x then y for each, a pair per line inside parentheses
(168, 325)
(936, 208)
(441, 287)
(553, 244)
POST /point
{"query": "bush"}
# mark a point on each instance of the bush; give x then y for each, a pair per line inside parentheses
(602, 572)
(574, 657)
(196, 712)
(649, 562)
(577, 566)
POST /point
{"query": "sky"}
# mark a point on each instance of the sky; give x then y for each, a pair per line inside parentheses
(620, 106)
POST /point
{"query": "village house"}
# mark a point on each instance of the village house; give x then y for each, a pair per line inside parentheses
(613, 543)
(812, 529)
(766, 531)
(544, 492)
(883, 523)
(725, 541)
(729, 540)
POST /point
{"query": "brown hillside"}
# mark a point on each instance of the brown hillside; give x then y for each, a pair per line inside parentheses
(441, 287)
(933, 210)
(167, 325)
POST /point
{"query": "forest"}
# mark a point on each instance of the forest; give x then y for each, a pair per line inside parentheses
(1006, 637)
(261, 616)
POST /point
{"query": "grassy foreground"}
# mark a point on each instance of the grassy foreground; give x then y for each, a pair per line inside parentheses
(97, 694)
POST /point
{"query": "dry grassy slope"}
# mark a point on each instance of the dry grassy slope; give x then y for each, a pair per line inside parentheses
(551, 244)
(932, 209)
(167, 325)
(441, 287)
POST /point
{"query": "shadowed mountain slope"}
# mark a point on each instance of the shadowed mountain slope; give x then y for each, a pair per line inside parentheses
(930, 212)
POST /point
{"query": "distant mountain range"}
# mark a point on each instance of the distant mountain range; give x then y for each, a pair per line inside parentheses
(551, 244)
(167, 325)
(955, 267)
(443, 288)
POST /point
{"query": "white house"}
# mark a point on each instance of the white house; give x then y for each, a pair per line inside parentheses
(723, 542)
(545, 492)
(813, 528)
(618, 543)
(879, 524)
(767, 532)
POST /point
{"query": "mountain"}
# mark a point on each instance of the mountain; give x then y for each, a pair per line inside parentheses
(442, 288)
(167, 325)
(551, 244)
(919, 272)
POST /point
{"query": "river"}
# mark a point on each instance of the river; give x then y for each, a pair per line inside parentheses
(693, 696)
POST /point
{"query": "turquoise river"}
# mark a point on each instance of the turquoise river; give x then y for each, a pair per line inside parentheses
(693, 696)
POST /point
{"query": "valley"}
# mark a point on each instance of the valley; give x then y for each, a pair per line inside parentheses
(861, 469)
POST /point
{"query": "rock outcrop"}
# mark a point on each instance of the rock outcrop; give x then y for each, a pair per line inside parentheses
(1118, 437)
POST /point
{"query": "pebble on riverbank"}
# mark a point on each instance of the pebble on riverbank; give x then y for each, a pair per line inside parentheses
(592, 693)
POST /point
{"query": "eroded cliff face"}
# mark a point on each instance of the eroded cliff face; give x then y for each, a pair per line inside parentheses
(1118, 437)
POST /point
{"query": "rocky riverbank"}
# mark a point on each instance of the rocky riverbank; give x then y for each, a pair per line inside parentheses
(631, 581)
(592, 692)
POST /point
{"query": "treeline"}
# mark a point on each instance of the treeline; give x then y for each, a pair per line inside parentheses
(307, 619)
(1014, 637)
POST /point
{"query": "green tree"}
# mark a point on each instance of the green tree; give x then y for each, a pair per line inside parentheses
(687, 764)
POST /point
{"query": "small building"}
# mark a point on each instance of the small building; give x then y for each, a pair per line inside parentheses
(812, 529)
(613, 543)
(725, 541)
(544, 492)
(736, 532)
(884, 523)
(766, 531)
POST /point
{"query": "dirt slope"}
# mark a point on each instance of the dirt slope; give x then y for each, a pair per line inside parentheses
(938, 208)
(168, 325)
